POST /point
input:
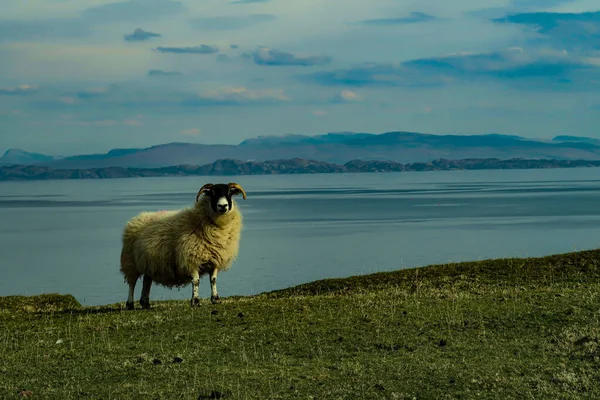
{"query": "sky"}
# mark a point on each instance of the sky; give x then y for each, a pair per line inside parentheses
(86, 76)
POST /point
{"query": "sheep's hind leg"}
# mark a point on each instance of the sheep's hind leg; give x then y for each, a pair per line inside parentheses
(129, 305)
(145, 299)
(214, 296)
(195, 301)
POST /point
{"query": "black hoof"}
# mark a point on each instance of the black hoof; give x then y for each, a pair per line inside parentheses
(129, 305)
(215, 299)
(195, 302)
(145, 304)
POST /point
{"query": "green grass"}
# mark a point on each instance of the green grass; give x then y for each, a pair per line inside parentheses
(497, 329)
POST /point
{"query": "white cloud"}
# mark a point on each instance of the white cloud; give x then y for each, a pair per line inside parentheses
(348, 95)
(577, 6)
(191, 131)
(70, 119)
(20, 89)
(243, 94)
(13, 113)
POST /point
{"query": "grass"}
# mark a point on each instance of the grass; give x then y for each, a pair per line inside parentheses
(496, 329)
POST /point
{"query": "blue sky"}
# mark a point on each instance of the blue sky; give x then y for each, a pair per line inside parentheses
(82, 76)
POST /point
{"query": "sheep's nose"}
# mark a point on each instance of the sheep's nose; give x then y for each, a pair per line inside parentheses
(222, 207)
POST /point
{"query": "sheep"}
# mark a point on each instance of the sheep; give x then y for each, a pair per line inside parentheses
(175, 247)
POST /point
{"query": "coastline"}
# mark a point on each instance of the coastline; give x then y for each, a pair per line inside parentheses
(229, 167)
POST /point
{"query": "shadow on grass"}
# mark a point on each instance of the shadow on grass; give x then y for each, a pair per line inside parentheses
(215, 394)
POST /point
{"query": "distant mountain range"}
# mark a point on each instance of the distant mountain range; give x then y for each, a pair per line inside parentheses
(577, 139)
(21, 157)
(292, 166)
(340, 148)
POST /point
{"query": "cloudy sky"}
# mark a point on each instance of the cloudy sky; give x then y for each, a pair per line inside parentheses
(83, 76)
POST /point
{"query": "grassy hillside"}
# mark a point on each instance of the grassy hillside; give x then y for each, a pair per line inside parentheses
(498, 329)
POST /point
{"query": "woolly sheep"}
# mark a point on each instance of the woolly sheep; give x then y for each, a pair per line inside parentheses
(176, 247)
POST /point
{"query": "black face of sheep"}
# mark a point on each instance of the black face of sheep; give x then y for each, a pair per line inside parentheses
(220, 196)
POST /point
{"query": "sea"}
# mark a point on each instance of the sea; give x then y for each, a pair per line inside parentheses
(64, 236)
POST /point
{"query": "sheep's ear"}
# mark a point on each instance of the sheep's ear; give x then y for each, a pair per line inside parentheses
(234, 189)
(203, 190)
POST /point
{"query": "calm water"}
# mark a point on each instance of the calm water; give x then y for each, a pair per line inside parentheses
(64, 236)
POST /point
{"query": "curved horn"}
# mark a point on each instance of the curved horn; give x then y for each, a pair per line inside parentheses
(238, 189)
(203, 189)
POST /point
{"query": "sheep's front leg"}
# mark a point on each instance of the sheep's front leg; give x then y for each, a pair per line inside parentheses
(214, 296)
(195, 285)
(145, 299)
